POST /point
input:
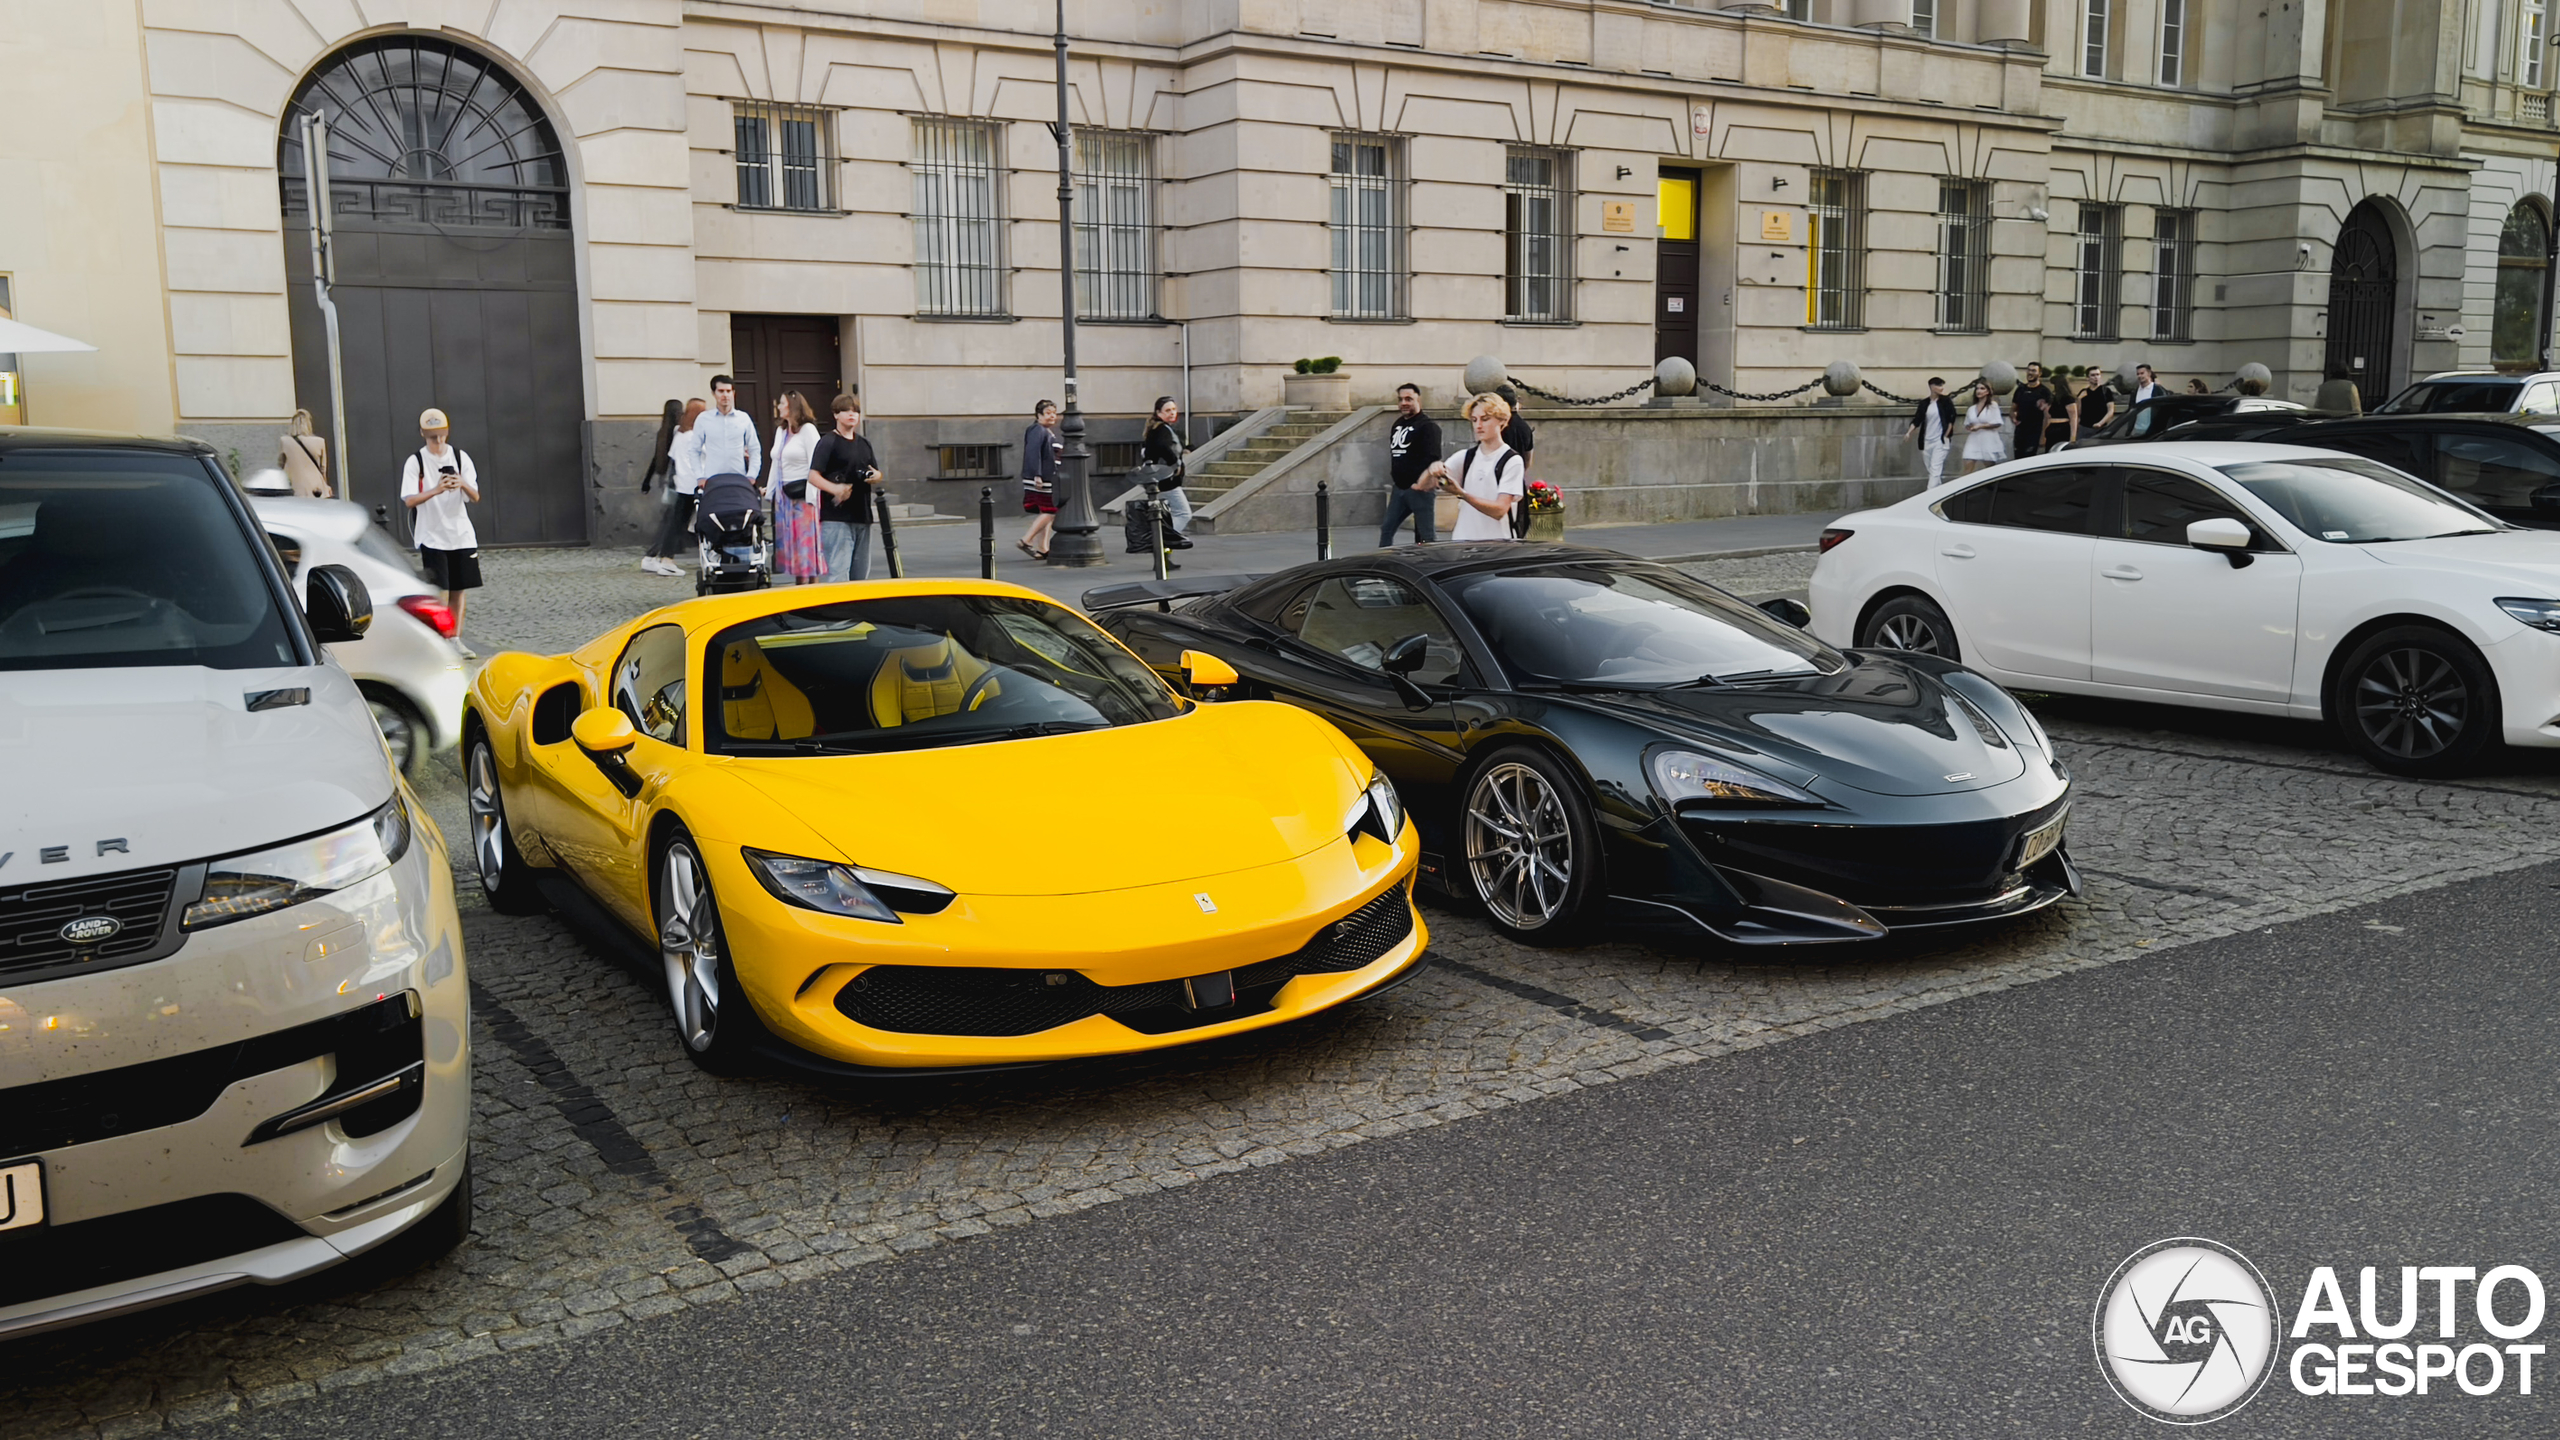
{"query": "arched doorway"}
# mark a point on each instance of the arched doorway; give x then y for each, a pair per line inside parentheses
(2524, 253)
(456, 278)
(2364, 284)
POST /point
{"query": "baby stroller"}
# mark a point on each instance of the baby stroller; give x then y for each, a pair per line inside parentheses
(728, 520)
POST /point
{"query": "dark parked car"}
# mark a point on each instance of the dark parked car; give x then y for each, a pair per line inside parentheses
(1582, 734)
(2477, 392)
(2508, 464)
(2154, 418)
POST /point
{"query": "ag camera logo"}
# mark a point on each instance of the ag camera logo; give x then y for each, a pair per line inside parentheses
(2186, 1330)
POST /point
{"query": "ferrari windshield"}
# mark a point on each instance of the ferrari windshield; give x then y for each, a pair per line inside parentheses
(919, 671)
(1601, 625)
(2357, 502)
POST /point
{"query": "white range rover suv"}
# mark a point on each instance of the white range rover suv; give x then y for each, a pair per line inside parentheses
(234, 1035)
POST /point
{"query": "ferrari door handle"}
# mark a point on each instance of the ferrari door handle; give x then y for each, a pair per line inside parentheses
(2122, 572)
(1958, 552)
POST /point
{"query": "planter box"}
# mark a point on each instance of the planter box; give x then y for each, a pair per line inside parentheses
(1546, 525)
(1317, 392)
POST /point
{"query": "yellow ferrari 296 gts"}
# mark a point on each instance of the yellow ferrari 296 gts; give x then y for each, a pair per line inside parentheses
(934, 825)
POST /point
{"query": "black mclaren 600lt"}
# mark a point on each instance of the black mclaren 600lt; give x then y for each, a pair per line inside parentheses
(1584, 736)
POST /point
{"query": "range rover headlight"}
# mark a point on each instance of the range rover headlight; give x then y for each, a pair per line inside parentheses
(1379, 812)
(1687, 775)
(239, 886)
(837, 889)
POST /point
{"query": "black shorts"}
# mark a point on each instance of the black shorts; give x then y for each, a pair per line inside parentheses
(450, 569)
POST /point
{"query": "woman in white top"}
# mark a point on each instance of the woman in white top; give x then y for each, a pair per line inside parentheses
(1488, 477)
(796, 551)
(437, 483)
(1982, 423)
(684, 481)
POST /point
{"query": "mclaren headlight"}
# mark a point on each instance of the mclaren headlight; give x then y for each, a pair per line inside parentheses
(838, 889)
(1378, 812)
(239, 886)
(2035, 728)
(1680, 775)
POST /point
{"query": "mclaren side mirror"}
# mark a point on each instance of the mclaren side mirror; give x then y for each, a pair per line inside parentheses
(606, 735)
(1406, 655)
(2222, 535)
(337, 604)
(1792, 612)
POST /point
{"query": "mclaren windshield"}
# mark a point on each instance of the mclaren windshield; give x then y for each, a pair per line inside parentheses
(917, 672)
(1631, 628)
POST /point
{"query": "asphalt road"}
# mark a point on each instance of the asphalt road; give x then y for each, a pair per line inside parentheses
(1894, 1228)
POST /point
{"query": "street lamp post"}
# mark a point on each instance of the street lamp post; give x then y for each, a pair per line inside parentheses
(1075, 542)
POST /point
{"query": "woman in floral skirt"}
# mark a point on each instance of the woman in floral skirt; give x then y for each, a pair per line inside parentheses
(796, 551)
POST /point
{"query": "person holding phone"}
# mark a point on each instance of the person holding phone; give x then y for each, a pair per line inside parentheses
(847, 474)
(1488, 477)
(437, 483)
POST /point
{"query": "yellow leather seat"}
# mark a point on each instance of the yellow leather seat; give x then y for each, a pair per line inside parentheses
(920, 682)
(756, 703)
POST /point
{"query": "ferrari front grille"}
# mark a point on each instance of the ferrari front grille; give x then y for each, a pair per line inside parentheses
(945, 1000)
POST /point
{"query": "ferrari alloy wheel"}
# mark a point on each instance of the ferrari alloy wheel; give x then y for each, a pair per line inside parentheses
(1910, 622)
(712, 1018)
(2417, 701)
(504, 879)
(1531, 844)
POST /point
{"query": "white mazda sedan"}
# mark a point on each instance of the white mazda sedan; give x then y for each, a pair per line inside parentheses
(2271, 579)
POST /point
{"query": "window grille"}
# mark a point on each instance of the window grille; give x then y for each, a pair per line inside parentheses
(1964, 255)
(2093, 38)
(1835, 289)
(1116, 457)
(2173, 275)
(784, 160)
(2533, 40)
(2100, 274)
(958, 221)
(2173, 42)
(1115, 225)
(1537, 205)
(972, 462)
(1368, 229)
(1924, 17)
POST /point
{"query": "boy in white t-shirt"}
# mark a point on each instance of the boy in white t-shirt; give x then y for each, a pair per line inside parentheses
(436, 483)
(1494, 476)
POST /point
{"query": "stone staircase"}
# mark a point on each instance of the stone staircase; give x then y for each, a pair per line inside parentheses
(1209, 481)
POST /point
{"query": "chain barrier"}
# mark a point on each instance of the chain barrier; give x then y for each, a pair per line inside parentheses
(1637, 388)
(1815, 383)
(1772, 395)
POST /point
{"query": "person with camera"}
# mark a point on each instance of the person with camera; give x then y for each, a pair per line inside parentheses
(847, 473)
(1488, 477)
(437, 483)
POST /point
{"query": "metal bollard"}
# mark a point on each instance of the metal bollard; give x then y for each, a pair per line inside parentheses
(986, 532)
(1156, 515)
(1324, 521)
(888, 535)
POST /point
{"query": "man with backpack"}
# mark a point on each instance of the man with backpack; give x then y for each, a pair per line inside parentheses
(1489, 477)
(1412, 445)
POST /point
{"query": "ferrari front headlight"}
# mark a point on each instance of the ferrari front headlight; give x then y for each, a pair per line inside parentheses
(1378, 812)
(1687, 775)
(838, 889)
(239, 886)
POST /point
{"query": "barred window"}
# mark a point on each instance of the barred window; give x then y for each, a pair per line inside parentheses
(2533, 40)
(784, 160)
(1924, 17)
(1835, 282)
(1964, 255)
(959, 227)
(2173, 275)
(2093, 38)
(1115, 225)
(2173, 42)
(1537, 206)
(2100, 272)
(1368, 229)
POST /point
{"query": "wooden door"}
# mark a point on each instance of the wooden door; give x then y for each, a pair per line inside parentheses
(772, 355)
(1675, 266)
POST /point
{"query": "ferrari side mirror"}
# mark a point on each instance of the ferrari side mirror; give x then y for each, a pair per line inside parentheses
(1206, 671)
(606, 736)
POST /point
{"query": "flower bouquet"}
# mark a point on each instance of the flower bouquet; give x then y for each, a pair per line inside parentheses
(1544, 506)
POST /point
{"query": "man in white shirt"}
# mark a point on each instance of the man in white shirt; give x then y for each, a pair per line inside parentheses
(1488, 477)
(437, 483)
(724, 438)
(2146, 386)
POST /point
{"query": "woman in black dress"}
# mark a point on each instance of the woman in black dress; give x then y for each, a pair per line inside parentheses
(1162, 445)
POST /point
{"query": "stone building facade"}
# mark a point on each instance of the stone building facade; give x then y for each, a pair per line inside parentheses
(552, 218)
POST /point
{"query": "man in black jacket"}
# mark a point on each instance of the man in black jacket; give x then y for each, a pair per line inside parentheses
(1933, 423)
(1412, 444)
(2034, 401)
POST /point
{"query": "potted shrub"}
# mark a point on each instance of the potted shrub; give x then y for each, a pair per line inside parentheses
(1317, 384)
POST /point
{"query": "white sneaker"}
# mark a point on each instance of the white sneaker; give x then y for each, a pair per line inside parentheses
(649, 564)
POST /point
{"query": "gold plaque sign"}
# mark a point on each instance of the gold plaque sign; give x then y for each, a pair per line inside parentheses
(1618, 216)
(1778, 225)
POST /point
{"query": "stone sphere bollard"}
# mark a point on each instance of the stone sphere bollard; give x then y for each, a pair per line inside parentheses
(1675, 376)
(2126, 379)
(1840, 378)
(2002, 376)
(2254, 378)
(1485, 373)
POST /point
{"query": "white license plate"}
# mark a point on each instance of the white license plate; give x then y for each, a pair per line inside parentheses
(2042, 840)
(21, 1194)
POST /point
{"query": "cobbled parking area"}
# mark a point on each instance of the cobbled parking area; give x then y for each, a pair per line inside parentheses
(618, 1183)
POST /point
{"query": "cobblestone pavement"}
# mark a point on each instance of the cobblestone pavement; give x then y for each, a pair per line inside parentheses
(618, 1183)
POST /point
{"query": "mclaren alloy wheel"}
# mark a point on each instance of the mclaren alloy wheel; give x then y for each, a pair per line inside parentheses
(1532, 846)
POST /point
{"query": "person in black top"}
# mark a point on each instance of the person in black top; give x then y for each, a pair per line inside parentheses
(1520, 435)
(844, 469)
(1043, 461)
(1933, 429)
(2097, 407)
(2034, 408)
(1162, 445)
(1412, 444)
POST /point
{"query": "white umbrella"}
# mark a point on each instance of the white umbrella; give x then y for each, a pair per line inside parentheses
(20, 338)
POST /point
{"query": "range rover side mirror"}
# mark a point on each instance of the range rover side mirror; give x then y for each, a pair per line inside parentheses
(1791, 612)
(606, 735)
(337, 604)
(2222, 535)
